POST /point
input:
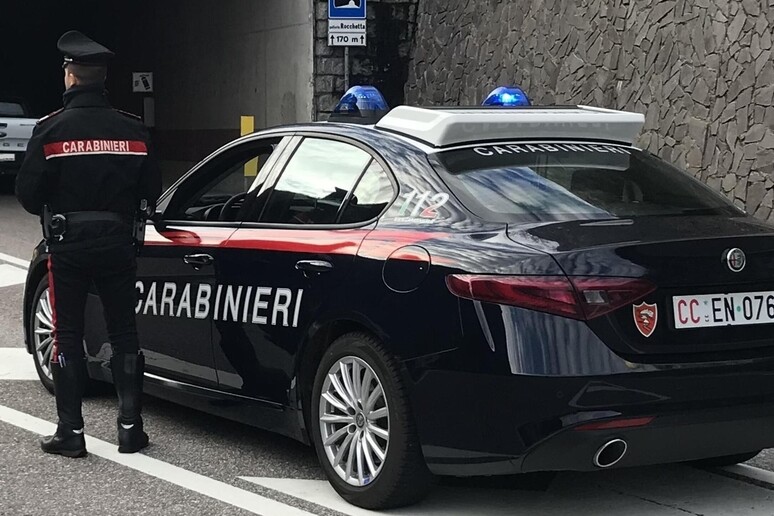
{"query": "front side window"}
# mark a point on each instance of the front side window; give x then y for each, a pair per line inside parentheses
(553, 181)
(222, 190)
(315, 183)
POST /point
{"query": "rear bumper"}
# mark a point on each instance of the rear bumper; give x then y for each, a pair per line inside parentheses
(670, 438)
(10, 168)
(475, 424)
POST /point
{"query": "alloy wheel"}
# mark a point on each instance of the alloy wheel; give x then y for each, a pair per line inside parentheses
(354, 421)
(43, 327)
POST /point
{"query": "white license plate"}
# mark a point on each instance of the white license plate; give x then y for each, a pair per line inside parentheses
(723, 309)
(7, 157)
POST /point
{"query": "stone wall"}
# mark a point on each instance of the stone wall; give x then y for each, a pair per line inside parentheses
(700, 70)
(383, 63)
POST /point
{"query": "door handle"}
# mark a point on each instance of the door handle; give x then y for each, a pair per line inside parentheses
(314, 266)
(197, 261)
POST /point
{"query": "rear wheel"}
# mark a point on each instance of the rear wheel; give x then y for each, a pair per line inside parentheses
(41, 333)
(362, 426)
(726, 460)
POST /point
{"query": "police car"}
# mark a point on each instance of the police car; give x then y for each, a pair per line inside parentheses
(454, 291)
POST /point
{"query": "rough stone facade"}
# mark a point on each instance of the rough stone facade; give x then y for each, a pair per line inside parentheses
(700, 70)
(384, 62)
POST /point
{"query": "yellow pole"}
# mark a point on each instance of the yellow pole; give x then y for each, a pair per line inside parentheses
(247, 126)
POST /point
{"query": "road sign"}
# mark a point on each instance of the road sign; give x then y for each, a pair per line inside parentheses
(142, 82)
(347, 33)
(350, 9)
(347, 40)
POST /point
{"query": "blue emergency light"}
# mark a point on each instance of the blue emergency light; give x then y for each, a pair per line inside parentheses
(360, 105)
(507, 96)
(361, 98)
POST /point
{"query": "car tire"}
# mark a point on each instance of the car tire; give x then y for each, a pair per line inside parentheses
(726, 460)
(378, 440)
(39, 334)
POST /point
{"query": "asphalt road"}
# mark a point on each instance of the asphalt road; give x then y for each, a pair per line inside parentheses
(200, 464)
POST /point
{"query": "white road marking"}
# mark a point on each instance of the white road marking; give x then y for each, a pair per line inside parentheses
(758, 474)
(24, 264)
(656, 491)
(11, 275)
(201, 484)
(16, 364)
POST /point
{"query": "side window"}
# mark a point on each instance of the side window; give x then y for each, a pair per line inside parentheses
(371, 196)
(315, 183)
(221, 191)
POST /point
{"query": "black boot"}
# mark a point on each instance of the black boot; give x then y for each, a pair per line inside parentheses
(127, 376)
(69, 384)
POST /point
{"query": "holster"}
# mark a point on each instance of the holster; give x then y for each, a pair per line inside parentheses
(138, 226)
(54, 225)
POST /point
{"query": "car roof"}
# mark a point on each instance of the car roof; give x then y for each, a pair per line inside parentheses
(431, 129)
(443, 127)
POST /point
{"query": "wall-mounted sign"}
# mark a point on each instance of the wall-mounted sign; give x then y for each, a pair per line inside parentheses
(350, 9)
(142, 82)
(346, 33)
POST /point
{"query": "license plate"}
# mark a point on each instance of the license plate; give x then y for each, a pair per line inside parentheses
(7, 157)
(723, 309)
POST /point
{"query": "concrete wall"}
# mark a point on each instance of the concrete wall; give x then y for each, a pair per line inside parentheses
(216, 61)
(701, 71)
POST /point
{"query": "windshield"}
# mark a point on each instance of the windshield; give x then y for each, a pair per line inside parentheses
(539, 182)
(14, 109)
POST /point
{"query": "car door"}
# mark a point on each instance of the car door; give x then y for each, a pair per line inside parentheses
(178, 294)
(291, 263)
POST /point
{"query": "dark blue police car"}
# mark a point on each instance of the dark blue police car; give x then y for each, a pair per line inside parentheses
(455, 291)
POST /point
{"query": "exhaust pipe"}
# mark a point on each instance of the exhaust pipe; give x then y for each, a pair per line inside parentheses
(610, 453)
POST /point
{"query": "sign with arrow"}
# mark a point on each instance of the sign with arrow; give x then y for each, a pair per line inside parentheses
(347, 23)
(347, 33)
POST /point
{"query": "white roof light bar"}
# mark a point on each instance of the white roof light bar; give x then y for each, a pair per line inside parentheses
(443, 127)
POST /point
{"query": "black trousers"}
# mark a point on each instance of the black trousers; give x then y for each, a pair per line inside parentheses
(112, 270)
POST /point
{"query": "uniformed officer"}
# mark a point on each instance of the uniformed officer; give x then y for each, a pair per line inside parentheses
(86, 171)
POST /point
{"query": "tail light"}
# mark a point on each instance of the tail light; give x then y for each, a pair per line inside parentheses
(578, 298)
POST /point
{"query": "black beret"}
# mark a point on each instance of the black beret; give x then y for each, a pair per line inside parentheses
(81, 49)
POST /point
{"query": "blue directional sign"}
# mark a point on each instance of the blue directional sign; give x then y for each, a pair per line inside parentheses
(352, 9)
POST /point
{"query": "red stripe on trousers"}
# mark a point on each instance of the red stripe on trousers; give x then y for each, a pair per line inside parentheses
(52, 298)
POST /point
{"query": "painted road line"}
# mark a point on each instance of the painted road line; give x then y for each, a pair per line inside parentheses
(11, 275)
(16, 364)
(24, 264)
(657, 491)
(746, 472)
(201, 484)
(475, 502)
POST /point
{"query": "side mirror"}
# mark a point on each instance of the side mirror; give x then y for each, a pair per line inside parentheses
(158, 221)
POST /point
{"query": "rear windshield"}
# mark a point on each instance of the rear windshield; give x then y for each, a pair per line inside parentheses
(539, 182)
(14, 109)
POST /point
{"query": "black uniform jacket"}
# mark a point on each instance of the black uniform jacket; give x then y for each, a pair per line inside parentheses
(89, 157)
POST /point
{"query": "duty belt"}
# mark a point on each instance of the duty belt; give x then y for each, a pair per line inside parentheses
(77, 217)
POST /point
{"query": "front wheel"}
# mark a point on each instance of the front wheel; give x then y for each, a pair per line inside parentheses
(41, 333)
(41, 337)
(362, 426)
